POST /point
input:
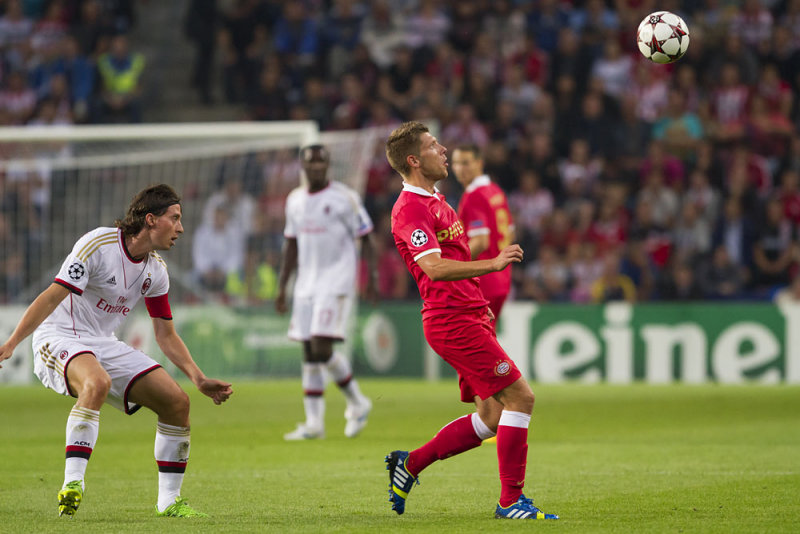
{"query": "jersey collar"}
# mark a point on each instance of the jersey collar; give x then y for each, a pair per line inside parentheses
(418, 190)
(480, 181)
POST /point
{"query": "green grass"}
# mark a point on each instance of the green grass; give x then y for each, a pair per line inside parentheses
(606, 458)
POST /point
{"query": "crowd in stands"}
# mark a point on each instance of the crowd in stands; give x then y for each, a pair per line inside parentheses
(68, 61)
(628, 180)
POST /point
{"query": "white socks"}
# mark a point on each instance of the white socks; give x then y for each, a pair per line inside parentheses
(83, 426)
(342, 373)
(172, 453)
(313, 391)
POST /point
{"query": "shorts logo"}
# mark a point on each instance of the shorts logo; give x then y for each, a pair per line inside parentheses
(63, 355)
(146, 285)
(76, 271)
(418, 238)
(502, 368)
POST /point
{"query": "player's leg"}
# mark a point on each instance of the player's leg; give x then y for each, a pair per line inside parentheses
(517, 400)
(86, 379)
(328, 325)
(159, 392)
(341, 371)
(313, 374)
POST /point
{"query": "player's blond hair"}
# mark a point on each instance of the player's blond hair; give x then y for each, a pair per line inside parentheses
(404, 141)
(155, 199)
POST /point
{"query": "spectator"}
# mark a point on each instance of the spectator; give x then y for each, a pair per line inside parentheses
(120, 73)
(614, 69)
(612, 285)
(678, 129)
(680, 285)
(217, 251)
(18, 100)
(200, 26)
(736, 232)
(774, 248)
(465, 129)
(547, 278)
(720, 277)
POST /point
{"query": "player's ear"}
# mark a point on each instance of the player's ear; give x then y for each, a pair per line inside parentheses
(412, 160)
(150, 220)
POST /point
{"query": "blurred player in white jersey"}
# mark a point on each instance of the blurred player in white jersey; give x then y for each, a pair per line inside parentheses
(77, 354)
(324, 222)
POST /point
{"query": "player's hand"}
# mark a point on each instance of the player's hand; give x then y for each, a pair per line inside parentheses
(218, 390)
(6, 351)
(490, 314)
(510, 254)
(280, 302)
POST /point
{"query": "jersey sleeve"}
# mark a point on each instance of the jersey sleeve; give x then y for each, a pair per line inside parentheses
(157, 290)
(414, 226)
(290, 230)
(361, 223)
(77, 267)
(475, 215)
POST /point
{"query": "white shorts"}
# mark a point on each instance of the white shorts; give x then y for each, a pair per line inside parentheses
(324, 316)
(125, 365)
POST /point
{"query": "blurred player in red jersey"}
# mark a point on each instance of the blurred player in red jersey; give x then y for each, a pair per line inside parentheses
(487, 220)
(457, 323)
(77, 354)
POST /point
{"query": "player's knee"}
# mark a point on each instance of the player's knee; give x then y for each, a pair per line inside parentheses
(96, 386)
(181, 404)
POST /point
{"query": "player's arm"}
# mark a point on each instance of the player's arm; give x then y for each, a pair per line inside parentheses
(175, 349)
(288, 266)
(443, 269)
(37, 312)
(477, 244)
(371, 258)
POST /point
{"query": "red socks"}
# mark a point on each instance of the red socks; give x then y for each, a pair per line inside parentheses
(455, 438)
(512, 454)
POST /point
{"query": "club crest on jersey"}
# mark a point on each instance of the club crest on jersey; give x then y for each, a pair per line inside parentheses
(63, 355)
(502, 368)
(76, 271)
(455, 230)
(418, 238)
(146, 285)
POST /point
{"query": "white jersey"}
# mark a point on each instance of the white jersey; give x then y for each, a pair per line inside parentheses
(106, 283)
(327, 225)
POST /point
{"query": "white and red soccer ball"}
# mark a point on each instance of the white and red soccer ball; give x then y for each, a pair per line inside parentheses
(663, 37)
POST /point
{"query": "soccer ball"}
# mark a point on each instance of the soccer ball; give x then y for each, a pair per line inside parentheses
(663, 37)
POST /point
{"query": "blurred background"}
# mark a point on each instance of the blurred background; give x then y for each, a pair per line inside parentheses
(679, 181)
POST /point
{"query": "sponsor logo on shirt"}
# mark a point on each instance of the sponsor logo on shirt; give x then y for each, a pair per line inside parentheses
(502, 368)
(456, 229)
(418, 238)
(119, 307)
(76, 271)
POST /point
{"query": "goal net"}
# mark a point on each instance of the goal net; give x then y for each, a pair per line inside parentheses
(58, 183)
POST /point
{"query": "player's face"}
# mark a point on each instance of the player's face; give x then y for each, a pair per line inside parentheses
(315, 165)
(432, 158)
(167, 228)
(466, 166)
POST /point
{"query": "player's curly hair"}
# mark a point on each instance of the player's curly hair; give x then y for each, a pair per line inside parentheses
(155, 199)
(404, 141)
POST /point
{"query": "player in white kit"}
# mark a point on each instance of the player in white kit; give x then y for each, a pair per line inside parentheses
(324, 222)
(77, 354)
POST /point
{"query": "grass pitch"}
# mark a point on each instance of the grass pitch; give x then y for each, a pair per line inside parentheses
(605, 458)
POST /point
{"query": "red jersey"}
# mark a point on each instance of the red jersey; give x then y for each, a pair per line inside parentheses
(423, 223)
(484, 210)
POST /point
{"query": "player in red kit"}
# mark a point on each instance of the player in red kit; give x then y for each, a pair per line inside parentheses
(487, 220)
(457, 323)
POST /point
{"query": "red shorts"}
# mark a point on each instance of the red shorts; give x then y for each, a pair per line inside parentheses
(468, 343)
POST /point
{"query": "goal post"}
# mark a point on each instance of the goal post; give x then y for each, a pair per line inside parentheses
(57, 183)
